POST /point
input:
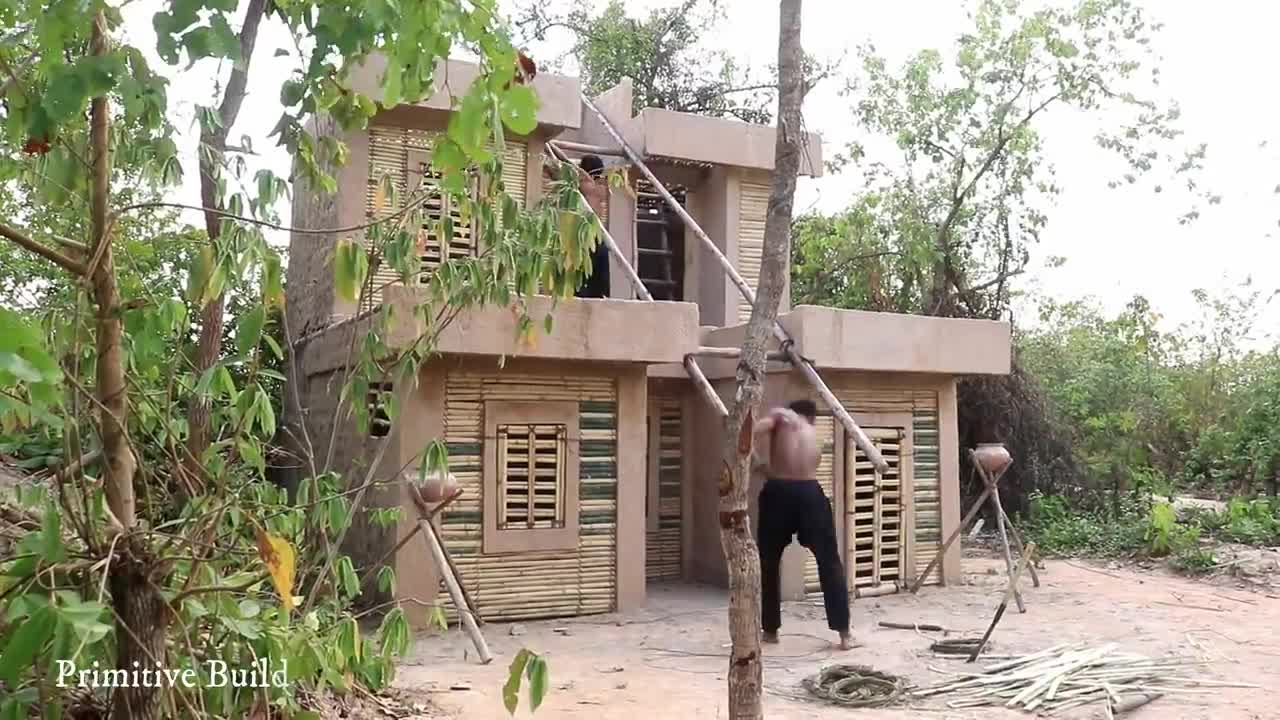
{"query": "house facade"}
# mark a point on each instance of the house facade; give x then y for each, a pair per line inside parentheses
(589, 461)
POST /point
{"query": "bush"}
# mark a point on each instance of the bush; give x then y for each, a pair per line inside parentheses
(1060, 529)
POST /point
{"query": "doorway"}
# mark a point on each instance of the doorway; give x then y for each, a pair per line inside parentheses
(877, 510)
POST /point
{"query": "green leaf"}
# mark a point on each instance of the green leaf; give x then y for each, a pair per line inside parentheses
(249, 332)
(25, 643)
(21, 370)
(520, 109)
(350, 265)
(347, 576)
(266, 413)
(252, 454)
(51, 547)
(511, 690)
(392, 89)
(537, 681)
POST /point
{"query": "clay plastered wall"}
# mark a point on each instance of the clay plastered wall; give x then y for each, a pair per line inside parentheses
(353, 453)
(534, 584)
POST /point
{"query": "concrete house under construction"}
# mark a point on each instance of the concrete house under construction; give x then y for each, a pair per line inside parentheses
(590, 462)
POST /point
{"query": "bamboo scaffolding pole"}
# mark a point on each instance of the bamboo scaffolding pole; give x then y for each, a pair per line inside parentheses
(806, 368)
(587, 148)
(733, 353)
(691, 366)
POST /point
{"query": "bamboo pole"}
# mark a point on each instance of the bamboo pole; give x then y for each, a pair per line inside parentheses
(455, 590)
(779, 332)
(733, 353)
(589, 149)
(691, 366)
(1012, 590)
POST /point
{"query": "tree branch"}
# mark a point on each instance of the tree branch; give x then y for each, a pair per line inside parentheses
(23, 240)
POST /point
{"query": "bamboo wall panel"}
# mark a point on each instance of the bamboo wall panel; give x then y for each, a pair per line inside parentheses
(532, 585)
(926, 495)
(825, 426)
(402, 154)
(663, 546)
(875, 540)
(753, 207)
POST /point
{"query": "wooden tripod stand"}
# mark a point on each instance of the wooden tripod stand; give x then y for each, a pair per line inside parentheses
(1003, 522)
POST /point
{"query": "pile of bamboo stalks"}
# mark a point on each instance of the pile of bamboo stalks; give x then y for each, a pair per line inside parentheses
(1069, 676)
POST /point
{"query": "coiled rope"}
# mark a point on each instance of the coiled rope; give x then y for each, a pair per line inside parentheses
(855, 686)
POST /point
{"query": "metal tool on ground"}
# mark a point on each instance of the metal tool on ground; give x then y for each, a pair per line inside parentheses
(1004, 603)
(995, 455)
(803, 364)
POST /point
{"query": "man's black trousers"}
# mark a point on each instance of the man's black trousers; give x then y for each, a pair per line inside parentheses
(800, 508)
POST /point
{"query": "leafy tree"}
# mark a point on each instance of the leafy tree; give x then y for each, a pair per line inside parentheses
(662, 53)
(139, 549)
(943, 230)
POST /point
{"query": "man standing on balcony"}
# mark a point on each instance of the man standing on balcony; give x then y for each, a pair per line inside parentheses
(595, 189)
(792, 503)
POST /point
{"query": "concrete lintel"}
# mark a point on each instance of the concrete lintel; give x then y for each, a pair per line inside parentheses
(718, 141)
(889, 342)
(601, 330)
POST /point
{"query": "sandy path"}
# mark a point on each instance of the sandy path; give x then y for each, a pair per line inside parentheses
(668, 661)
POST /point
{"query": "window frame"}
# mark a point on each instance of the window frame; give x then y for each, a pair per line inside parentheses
(510, 412)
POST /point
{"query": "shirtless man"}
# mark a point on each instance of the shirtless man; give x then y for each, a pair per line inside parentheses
(595, 189)
(792, 503)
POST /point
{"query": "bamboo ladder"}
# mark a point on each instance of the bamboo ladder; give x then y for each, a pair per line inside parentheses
(803, 364)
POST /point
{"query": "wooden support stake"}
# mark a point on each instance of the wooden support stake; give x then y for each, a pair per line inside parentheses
(1021, 547)
(1011, 591)
(455, 590)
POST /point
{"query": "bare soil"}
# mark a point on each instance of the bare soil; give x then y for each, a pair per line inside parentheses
(668, 661)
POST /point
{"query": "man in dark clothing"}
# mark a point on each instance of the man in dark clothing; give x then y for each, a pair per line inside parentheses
(595, 189)
(792, 503)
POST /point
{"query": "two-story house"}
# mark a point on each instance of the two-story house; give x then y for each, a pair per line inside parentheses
(590, 461)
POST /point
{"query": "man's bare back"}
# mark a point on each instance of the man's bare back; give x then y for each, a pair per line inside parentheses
(792, 443)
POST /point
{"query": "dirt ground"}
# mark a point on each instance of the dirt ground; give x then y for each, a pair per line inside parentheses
(669, 660)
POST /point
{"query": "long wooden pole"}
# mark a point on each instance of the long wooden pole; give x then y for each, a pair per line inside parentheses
(806, 368)
(691, 365)
(455, 590)
(1012, 590)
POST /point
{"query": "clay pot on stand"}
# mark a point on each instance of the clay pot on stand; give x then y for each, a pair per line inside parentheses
(994, 458)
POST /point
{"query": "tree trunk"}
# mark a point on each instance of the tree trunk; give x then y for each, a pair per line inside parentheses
(112, 391)
(741, 554)
(142, 617)
(140, 611)
(213, 142)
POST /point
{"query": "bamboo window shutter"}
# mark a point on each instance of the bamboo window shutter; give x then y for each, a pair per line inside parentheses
(531, 459)
(874, 522)
(404, 156)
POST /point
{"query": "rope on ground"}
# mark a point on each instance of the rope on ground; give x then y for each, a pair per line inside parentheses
(855, 686)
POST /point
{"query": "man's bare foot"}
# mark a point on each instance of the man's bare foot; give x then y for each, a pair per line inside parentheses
(769, 637)
(846, 641)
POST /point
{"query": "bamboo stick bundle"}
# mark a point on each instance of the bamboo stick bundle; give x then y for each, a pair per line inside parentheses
(1069, 676)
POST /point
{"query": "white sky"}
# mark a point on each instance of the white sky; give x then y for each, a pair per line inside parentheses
(1218, 60)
